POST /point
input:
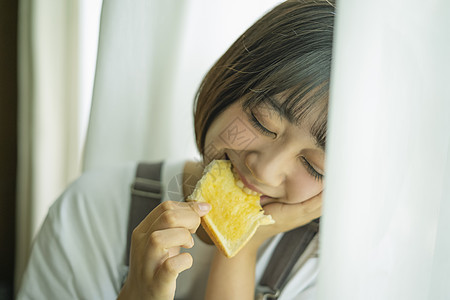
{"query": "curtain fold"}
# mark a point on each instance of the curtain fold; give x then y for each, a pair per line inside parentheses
(137, 43)
(47, 112)
(51, 83)
(386, 212)
(152, 58)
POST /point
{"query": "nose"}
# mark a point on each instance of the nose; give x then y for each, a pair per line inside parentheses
(268, 167)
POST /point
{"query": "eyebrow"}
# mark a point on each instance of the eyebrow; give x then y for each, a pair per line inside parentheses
(321, 146)
(285, 114)
(278, 109)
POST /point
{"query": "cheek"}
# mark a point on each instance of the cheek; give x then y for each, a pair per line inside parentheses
(231, 135)
(303, 188)
(234, 134)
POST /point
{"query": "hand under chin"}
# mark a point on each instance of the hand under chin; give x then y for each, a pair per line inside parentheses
(288, 216)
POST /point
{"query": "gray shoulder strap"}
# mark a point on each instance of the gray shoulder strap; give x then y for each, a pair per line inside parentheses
(289, 249)
(146, 194)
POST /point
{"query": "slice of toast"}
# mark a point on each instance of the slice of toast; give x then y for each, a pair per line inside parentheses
(235, 215)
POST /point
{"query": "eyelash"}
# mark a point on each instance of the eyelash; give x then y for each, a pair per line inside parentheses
(317, 176)
(258, 126)
(263, 130)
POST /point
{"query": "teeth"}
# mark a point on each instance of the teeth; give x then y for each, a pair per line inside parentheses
(247, 191)
(234, 173)
(240, 184)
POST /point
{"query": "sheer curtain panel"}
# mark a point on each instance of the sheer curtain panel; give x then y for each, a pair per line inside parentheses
(386, 223)
(54, 96)
(152, 57)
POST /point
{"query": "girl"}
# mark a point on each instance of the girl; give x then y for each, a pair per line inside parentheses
(263, 106)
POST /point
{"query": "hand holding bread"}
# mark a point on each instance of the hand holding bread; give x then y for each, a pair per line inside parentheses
(155, 258)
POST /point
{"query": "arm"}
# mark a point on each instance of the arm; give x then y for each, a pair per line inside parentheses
(232, 278)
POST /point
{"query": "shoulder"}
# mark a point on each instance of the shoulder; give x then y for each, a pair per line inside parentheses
(106, 189)
(84, 233)
(94, 206)
(108, 180)
(96, 196)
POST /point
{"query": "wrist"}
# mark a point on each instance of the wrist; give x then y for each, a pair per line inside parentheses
(261, 236)
(248, 253)
(232, 278)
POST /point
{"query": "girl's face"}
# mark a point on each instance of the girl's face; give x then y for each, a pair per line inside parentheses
(270, 155)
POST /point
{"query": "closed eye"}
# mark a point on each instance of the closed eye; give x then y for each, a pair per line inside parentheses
(258, 126)
(310, 169)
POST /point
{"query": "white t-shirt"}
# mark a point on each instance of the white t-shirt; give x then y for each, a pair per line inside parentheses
(79, 252)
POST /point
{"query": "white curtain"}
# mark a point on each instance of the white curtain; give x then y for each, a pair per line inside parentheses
(386, 223)
(152, 57)
(56, 60)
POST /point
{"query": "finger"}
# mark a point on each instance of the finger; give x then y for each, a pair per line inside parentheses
(313, 204)
(200, 208)
(172, 214)
(148, 221)
(145, 224)
(309, 208)
(149, 251)
(171, 267)
(160, 241)
(297, 214)
(185, 218)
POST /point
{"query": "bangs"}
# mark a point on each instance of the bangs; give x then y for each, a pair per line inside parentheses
(304, 103)
(304, 108)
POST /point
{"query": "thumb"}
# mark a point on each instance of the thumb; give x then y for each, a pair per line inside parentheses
(201, 208)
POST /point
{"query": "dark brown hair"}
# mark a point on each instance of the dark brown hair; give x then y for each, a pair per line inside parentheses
(287, 52)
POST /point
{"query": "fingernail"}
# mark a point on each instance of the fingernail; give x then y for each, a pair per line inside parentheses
(203, 206)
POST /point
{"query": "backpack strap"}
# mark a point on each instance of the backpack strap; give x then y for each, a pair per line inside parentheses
(146, 194)
(288, 251)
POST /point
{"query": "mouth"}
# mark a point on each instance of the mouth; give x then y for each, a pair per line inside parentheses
(241, 182)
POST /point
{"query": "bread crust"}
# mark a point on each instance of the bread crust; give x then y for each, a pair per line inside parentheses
(227, 250)
(214, 237)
